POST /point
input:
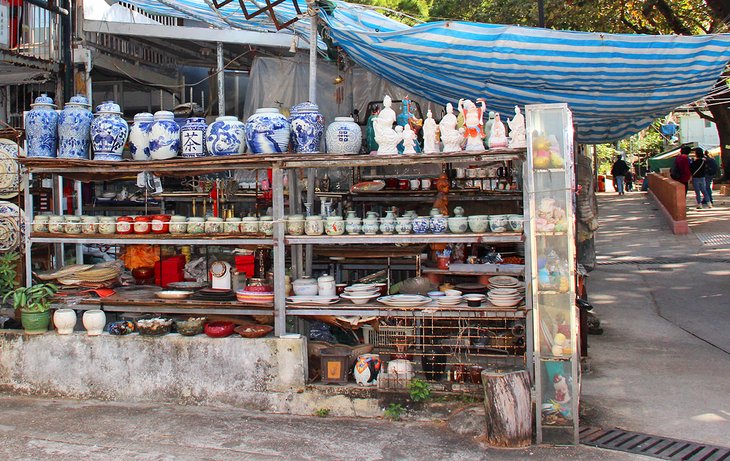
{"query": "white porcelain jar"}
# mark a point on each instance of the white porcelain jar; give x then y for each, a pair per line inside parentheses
(213, 225)
(164, 136)
(335, 225)
(64, 321)
(232, 225)
(195, 225)
(326, 286)
(55, 224)
(403, 225)
(178, 224)
(370, 225)
(314, 225)
(107, 225)
(72, 224)
(40, 223)
(94, 321)
(89, 224)
(295, 224)
(305, 286)
(266, 225)
(387, 226)
(250, 225)
(353, 226)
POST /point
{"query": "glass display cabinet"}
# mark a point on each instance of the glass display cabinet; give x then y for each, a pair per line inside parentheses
(550, 271)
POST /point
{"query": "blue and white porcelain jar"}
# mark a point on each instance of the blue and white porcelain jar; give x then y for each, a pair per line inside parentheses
(108, 132)
(307, 127)
(74, 124)
(139, 136)
(164, 136)
(192, 138)
(225, 136)
(438, 224)
(420, 224)
(267, 132)
(344, 136)
(41, 128)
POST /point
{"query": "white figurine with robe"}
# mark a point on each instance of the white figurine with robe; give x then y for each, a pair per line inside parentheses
(430, 134)
(450, 136)
(518, 137)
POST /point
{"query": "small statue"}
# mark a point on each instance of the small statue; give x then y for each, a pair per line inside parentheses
(386, 137)
(498, 137)
(518, 139)
(450, 136)
(443, 186)
(370, 131)
(430, 134)
(409, 140)
(473, 123)
(408, 118)
(488, 128)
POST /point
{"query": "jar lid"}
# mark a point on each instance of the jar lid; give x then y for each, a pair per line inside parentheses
(143, 218)
(78, 100)
(214, 219)
(326, 278)
(73, 218)
(233, 219)
(196, 219)
(266, 218)
(125, 218)
(306, 106)
(335, 218)
(314, 218)
(250, 219)
(164, 115)
(43, 100)
(143, 117)
(161, 217)
(267, 110)
(108, 107)
(42, 217)
(296, 217)
(344, 119)
(178, 218)
(304, 281)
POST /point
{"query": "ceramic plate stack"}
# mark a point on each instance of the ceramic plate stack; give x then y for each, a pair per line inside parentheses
(404, 300)
(505, 297)
(10, 183)
(361, 293)
(12, 226)
(313, 300)
(254, 297)
(448, 301)
(215, 294)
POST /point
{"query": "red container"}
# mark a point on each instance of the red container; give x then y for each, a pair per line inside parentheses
(160, 224)
(125, 225)
(245, 263)
(169, 270)
(142, 224)
(404, 184)
(219, 329)
(391, 183)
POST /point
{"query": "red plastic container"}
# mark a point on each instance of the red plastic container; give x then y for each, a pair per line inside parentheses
(142, 224)
(125, 225)
(160, 224)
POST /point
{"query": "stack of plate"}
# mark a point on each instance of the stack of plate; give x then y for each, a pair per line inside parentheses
(253, 297)
(215, 294)
(505, 281)
(361, 293)
(404, 300)
(504, 297)
(448, 301)
(313, 300)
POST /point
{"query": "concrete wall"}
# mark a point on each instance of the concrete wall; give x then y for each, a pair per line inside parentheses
(670, 196)
(265, 374)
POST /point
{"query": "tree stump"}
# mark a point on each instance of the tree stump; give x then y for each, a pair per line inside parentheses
(508, 405)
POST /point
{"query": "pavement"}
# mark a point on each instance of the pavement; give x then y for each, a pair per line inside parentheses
(661, 367)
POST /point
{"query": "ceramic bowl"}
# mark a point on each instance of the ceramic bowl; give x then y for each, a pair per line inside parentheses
(474, 300)
(458, 224)
(516, 222)
(305, 287)
(498, 223)
(452, 293)
(253, 331)
(190, 327)
(436, 294)
(219, 329)
(478, 223)
(359, 298)
(448, 300)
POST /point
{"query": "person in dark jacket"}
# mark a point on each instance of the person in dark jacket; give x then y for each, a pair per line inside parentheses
(681, 164)
(697, 168)
(618, 171)
(710, 173)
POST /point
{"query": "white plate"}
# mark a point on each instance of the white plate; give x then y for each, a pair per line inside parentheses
(316, 300)
(503, 303)
(173, 294)
(10, 183)
(187, 285)
(447, 302)
(404, 300)
(357, 287)
(12, 226)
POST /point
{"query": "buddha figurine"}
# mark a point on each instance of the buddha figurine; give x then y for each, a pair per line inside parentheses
(430, 134)
(450, 136)
(473, 123)
(410, 140)
(498, 137)
(386, 137)
(518, 139)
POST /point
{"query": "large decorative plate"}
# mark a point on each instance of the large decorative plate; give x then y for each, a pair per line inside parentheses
(404, 300)
(10, 182)
(12, 226)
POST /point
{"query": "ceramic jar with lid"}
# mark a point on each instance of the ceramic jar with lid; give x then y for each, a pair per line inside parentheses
(108, 132)
(107, 225)
(267, 132)
(72, 224)
(420, 224)
(196, 225)
(164, 136)
(192, 136)
(295, 224)
(314, 225)
(403, 225)
(213, 225)
(74, 123)
(40, 223)
(307, 127)
(160, 224)
(55, 224)
(353, 225)
(250, 225)
(142, 224)
(178, 224)
(266, 225)
(89, 224)
(232, 225)
(387, 226)
(41, 128)
(370, 224)
(438, 224)
(305, 286)
(326, 286)
(335, 225)
(139, 136)
(344, 136)
(225, 136)
(125, 225)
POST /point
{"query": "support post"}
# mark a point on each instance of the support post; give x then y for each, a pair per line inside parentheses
(28, 203)
(312, 10)
(58, 250)
(277, 179)
(221, 80)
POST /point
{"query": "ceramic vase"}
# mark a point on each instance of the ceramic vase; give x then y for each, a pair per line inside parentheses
(420, 224)
(267, 132)
(403, 225)
(438, 224)
(164, 136)
(370, 225)
(192, 136)
(307, 127)
(367, 369)
(225, 136)
(65, 321)
(139, 136)
(74, 124)
(353, 225)
(41, 128)
(94, 321)
(344, 136)
(108, 132)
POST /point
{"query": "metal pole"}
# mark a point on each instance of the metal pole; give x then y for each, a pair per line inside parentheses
(221, 80)
(541, 13)
(277, 179)
(312, 98)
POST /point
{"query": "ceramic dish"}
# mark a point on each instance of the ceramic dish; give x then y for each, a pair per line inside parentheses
(253, 331)
(187, 285)
(502, 303)
(12, 226)
(404, 300)
(358, 287)
(435, 294)
(173, 294)
(503, 280)
(360, 298)
(10, 183)
(219, 329)
(367, 186)
(316, 300)
(448, 300)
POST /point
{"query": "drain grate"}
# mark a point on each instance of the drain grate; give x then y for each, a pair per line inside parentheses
(652, 445)
(707, 238)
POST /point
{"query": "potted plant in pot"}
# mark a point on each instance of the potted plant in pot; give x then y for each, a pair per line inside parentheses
(34, 303)
(8, 272)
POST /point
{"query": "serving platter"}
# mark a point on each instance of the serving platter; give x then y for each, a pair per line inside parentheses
(404, 300)
(10, 183)
(312, 300)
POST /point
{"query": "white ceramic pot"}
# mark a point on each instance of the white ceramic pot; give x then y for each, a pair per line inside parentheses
(139, 136)
(498, 223)
(479, 223)
(195, 225)
(266, 225)
(178, 224)
(225, 136)
(295, 224)
(107, 225)
(516, 222)
(232, 225)
(367, 369)
(72, 224)
(40, 223)
(314, 225)
(458, 224)
(89, 224)
(267, 132)
(250, 225)
(403, 225)
(94, 321)
(353, 225)
(213, 225)
(305, 286)
(65, 321)
(343, 136)
(335, 225)
(164, 136)
(326, 286)
(387, 226)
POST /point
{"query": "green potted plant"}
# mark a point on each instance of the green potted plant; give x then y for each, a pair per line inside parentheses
(34, 303)
(8, 272)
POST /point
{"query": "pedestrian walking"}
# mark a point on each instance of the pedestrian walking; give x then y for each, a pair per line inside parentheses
(711, 169)
(697, 168)
(680, 170)
(629, 181)
(618, 171)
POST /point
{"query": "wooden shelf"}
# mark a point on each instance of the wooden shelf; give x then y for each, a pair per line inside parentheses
(507, 237)
(433, 310)
(129, 303)
(150, 239)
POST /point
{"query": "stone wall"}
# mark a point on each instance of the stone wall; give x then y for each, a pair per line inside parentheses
(671, 198)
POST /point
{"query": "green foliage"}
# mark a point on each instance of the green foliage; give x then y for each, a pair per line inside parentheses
(8, 272)
(419, 390)
(645, 144)
(36, 298)
(394, 411)
(322, 412)
(606, 154)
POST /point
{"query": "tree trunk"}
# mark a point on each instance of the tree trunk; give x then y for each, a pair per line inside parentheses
(508, 405)
(721, 116)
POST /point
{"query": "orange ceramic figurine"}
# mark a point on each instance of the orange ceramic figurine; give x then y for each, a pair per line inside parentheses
(442, 197)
